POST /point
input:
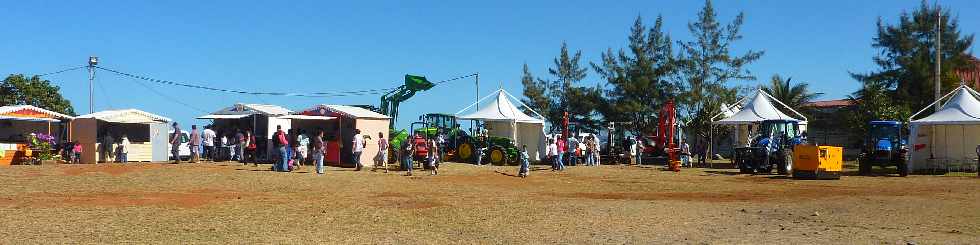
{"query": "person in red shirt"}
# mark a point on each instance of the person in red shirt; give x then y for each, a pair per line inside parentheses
(561, 152)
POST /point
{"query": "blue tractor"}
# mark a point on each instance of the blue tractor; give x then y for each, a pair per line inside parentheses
(770, 147)
(884, 146)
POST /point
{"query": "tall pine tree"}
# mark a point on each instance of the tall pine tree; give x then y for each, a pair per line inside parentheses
(535, 93)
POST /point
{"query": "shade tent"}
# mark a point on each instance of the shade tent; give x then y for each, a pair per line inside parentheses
(947, 139)
(147, 134)
(503, 119)
(752, 111)
(759, 109)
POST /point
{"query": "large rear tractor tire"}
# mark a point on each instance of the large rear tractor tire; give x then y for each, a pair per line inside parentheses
(786, 166)
(864, 166)
(498, 156)
(465, 153)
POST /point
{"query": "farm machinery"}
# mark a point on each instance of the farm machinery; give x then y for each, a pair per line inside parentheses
(884, 146)
(771, 147)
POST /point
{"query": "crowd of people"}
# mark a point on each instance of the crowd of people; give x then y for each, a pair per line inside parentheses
(568, 152)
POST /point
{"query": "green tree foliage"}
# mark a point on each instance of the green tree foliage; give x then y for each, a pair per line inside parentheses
(874, 101)
(795, 96)
(535, 93)
(562, 89)
(18, 89)
(906, 64)
(637, 81)
(706, 65)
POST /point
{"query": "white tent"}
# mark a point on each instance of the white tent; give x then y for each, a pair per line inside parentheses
(756, 110)
(948, 138)
(503, 119)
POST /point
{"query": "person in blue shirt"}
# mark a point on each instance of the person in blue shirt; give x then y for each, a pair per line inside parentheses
(525, 164)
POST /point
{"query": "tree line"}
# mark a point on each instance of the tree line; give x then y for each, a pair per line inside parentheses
(698, 74)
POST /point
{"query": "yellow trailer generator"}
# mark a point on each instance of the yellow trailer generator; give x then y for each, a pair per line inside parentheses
(817, 162)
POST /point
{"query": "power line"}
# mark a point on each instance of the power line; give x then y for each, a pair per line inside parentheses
(314, 94)
(62, 71)
(168, 97)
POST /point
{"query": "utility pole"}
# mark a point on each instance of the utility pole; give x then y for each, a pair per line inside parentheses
(939, 51)
(92, 61)
(478, 90)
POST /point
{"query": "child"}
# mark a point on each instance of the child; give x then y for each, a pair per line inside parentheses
(433, 156)
(76, 152)
(525, 165)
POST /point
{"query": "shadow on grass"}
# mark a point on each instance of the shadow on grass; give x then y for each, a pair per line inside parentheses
(723, 172)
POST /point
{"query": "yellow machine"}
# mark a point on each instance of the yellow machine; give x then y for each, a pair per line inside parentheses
(817, 162)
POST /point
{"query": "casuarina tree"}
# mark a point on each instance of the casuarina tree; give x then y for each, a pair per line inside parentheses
(637, 80)
(707, 65)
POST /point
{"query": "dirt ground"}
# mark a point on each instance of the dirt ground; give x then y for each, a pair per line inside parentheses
(216, 203)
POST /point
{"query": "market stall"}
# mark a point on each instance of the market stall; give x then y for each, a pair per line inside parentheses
(147, 134)
(339, 132)
(502, 118)
(946, 140)
(258, 118)
(17, 123)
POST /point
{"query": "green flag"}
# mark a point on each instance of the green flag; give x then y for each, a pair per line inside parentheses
(417, 83)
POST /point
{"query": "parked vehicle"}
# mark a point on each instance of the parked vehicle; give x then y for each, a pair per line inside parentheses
(184, 150)
(772, 147)
(884, 146)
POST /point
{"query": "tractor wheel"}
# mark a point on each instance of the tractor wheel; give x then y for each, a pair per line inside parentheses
(743, 165)
(498, 156)
(786, 165)
(864, 166)
(465, 153)
(766, 167)
(903, 168)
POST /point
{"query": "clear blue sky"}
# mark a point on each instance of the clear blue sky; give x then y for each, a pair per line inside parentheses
(314, 46)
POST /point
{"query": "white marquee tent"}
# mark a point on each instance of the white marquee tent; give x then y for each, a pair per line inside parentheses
(948, 138)
(504, 119)
(758, 109)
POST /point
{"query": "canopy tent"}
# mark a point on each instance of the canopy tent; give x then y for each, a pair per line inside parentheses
(947, 139)
(30, 113)
(503, 119)
(744, 113)
(147, 134)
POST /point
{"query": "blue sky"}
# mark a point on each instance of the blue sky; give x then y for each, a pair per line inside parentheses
(323, 46)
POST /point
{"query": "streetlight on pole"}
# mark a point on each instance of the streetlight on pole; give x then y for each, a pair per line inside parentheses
(92, 61)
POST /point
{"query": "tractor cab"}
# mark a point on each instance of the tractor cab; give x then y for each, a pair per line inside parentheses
(884, 146)
(770, 147)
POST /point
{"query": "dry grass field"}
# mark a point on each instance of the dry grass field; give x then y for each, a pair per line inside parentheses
(217, 203)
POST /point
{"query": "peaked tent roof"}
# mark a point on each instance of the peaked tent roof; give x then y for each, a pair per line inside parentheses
(251, 109)
(30, 113)
(758, 109)
(343, 110)
(962, 108)
(500, 109)
(126, 116)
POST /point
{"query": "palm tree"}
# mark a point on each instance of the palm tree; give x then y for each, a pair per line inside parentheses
(795, 96)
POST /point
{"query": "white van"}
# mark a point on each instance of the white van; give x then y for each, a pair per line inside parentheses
(184, 149)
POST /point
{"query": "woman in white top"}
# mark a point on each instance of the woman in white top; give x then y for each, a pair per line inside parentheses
(552, 153)
(123, 150)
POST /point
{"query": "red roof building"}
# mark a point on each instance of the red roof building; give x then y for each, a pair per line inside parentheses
(971, 75)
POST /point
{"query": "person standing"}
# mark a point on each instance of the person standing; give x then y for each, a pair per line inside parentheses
(441, 140)
(358, 145)
(525, 163)
(639, 151)
(588, 152)
(433, 156)
(686, 154)
(279, 139)
(76, 152)
(108, 151)
(572, 151)
(406, 156)
(562, 148)
(318, 150)
(208, 137)
(551, 153)
(382, 158)
(175, 143)
(123, 150)
(195, 144)
(631, 152)
(249, 153)
(304, 146)
(240, 144)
